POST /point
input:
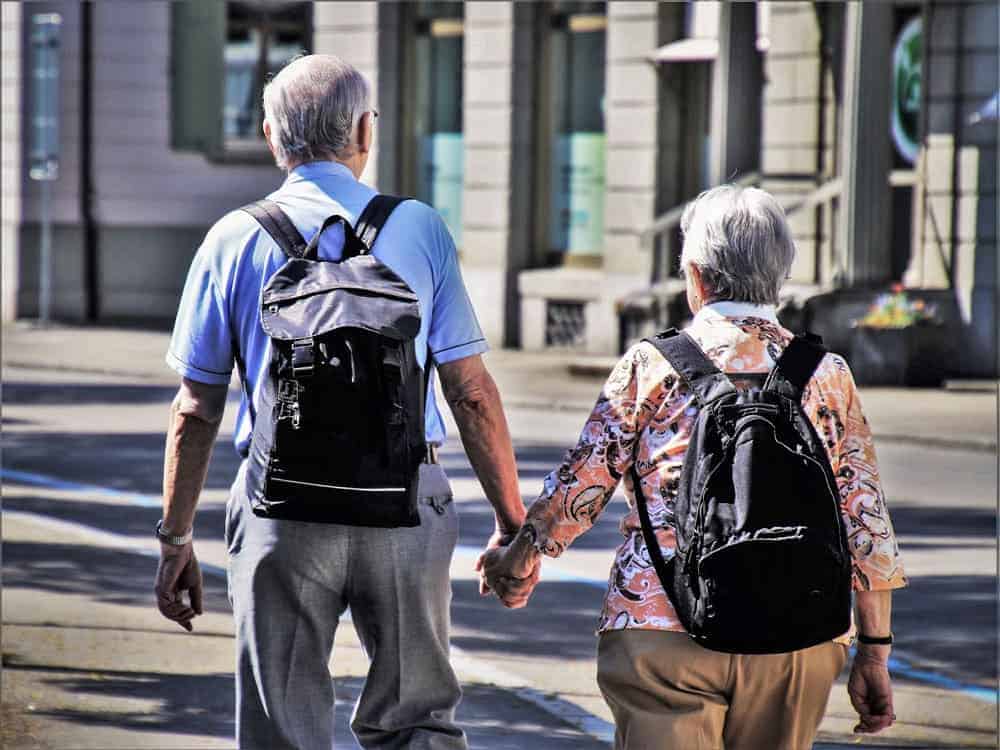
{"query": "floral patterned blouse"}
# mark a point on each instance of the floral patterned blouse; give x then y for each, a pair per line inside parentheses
(645, 414)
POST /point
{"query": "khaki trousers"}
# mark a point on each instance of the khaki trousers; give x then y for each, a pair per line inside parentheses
(666, 692)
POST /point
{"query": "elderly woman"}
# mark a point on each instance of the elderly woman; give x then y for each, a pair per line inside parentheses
(664, 689)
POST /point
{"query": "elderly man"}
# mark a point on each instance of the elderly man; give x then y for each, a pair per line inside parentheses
(664, 689)
(290, 581)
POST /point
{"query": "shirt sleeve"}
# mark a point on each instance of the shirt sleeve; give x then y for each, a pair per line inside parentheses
(201, 345)
(836, 409)
(454, 330)
(574, 495)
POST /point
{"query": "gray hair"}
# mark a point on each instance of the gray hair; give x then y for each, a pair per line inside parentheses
(313, 106)
(740, 241)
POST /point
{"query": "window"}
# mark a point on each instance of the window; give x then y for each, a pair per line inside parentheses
(222, 54)
(436, 147)
(576, 63)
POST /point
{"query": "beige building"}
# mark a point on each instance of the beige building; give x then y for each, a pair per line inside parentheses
(558, 140)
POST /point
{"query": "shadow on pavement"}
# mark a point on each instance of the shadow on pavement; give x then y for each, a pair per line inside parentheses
(106, 575)
(185, 704)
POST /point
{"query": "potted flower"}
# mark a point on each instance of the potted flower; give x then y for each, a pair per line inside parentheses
(898, 342)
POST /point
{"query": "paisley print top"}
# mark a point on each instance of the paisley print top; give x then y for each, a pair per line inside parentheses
(644, 415)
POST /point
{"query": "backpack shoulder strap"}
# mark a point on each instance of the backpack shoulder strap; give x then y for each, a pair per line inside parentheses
(277, 224)
(374, 216)
(699, 373)
(796, 366)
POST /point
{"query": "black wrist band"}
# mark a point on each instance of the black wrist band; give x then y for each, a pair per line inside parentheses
(870, 641)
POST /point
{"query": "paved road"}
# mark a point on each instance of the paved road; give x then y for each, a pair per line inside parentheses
(102, 436)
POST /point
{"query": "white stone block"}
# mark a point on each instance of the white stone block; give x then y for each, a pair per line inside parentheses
(632, 82)
(791, 124)
(487, 167)
(631, 39)
(632, 210)
(484, 247)
(486, 207)
(345, 13)
(631, 125)
(488, 44)
(630, 169)
(487, 291)
(359, 48)
(489, 12)
(532, 324)
(487, 84)
(601, 327)
(487, 126)
(627, 9)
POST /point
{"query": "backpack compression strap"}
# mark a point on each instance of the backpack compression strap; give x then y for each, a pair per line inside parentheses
(277, 224)
(796, 366)
(374, 216)
(698, 372)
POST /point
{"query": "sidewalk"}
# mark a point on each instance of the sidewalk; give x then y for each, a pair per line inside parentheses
(88, 663)
(949, 418)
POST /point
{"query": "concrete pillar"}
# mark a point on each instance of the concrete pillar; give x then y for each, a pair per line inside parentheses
(350, 30)
(13, 174)
(631, 123)
(867, 156)
(497, 131)
(736, 94)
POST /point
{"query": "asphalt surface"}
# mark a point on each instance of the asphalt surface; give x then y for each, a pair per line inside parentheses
(85, 450)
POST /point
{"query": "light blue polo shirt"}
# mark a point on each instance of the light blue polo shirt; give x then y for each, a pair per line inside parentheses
(221, 300)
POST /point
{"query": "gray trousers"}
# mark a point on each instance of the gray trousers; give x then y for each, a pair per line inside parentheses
(289, 583)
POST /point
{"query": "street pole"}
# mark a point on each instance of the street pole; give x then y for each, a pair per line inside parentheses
(45, 259)
(45, 41)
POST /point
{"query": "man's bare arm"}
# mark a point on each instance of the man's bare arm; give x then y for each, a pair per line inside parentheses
(195, 415)
(475, 402)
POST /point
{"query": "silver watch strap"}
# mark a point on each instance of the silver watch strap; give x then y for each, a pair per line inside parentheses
(178, 541)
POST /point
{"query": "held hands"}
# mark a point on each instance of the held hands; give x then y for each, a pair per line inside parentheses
(510, 569)
(178, 572)
(870, 690)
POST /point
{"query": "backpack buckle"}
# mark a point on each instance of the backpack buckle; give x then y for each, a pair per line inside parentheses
(303, 358)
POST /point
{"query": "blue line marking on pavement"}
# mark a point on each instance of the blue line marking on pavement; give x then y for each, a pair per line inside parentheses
(902, 668)
(897, 665)
(41, 480)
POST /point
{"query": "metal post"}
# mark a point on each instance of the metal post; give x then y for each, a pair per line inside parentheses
(45, 256)
(45, 38)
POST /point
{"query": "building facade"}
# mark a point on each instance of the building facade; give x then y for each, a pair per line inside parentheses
(559, 140)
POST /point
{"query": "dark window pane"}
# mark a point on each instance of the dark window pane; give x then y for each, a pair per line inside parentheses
(260, 40)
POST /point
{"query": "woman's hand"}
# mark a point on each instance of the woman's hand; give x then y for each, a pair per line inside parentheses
(511, 572)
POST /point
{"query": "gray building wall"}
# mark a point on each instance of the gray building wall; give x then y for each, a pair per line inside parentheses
(10, 155)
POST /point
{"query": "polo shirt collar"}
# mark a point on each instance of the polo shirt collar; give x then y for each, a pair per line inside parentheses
(317, 169)
(729, 309)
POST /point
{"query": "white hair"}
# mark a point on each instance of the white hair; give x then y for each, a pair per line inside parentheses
(740, 241)
(313, 106)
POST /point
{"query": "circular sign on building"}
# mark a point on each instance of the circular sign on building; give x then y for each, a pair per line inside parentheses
(907, 64)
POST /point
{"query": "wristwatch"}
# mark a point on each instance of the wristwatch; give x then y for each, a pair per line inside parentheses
(872, 641)
(177, 541)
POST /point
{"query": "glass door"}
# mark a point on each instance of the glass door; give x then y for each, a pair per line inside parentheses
(576, 61)
(437, 146)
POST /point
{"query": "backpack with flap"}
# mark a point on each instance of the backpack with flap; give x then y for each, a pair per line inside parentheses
(339, 437)
(761, 564)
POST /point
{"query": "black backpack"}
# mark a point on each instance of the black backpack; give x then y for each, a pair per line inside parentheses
(762, 564)
(339, 436)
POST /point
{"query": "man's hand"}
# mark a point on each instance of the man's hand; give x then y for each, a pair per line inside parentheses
(178, 572)
(510, 572)
(871, 691)
(499, 539)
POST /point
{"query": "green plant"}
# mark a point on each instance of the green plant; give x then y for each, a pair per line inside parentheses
(895, 309)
